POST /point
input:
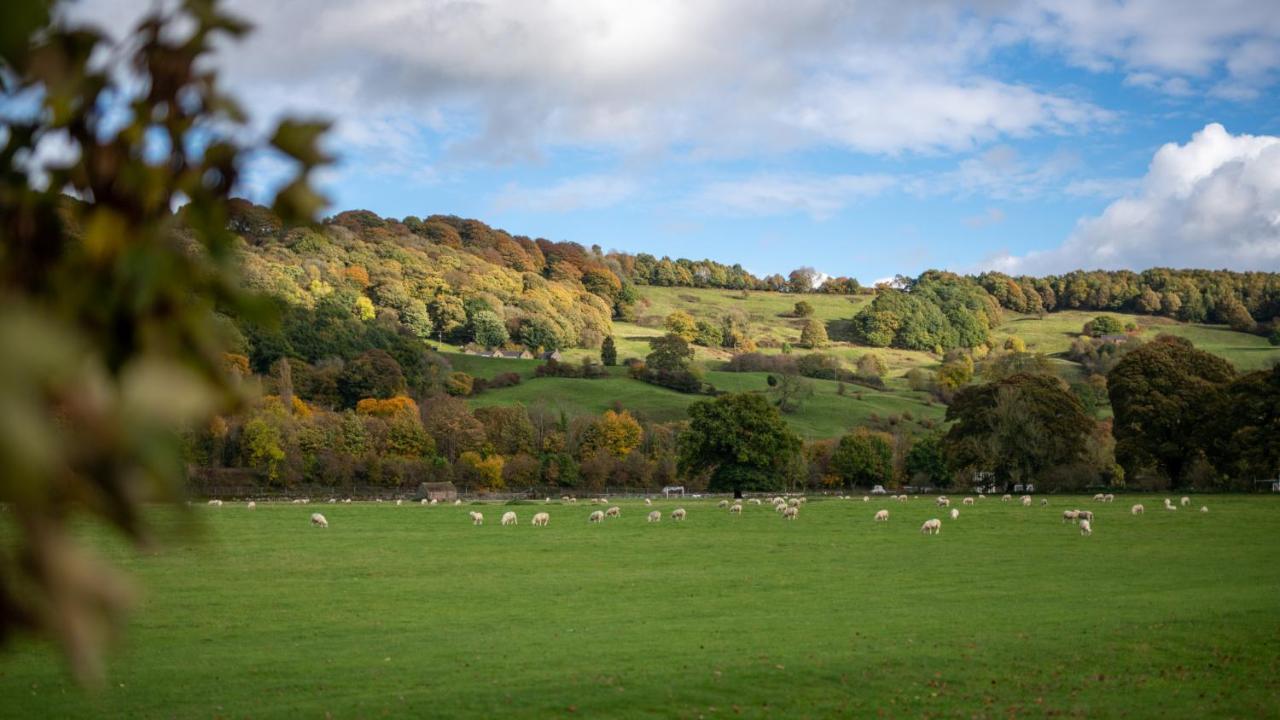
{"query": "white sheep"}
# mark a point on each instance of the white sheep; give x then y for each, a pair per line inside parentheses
(1137, 509)
(1108, 498)
(509, 518)
(955, 513)
(754, 501)
(677, 514)
(595, 517)
(333, 501)
(1026, 501)
(780, 507)
(735, 509)
(967, 501)
(615, 512)
(791, 513)
(931, 527)
(882, 516)
(1044, 502)
(942, 501)
(215, 503)
(436, 501)
(647, 501)
(347, 501)
(1185, 501)
(655, 516)
(476, 518)
(1006, 498)
(793, 502)
(1086, 527)
(398, 501)
(252, 505)
(1171, 507)
(1098, 498)
(1071, 515)
(866, 498)
(573, 501)
(318, 520)
(1204, 508)
(1084, 515)
(424, 501)
(722, 504)
(455, 502)
(541, 519)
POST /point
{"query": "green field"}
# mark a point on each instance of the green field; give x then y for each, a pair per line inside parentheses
(413, 612)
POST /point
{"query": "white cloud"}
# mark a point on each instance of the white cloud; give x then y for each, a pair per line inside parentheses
(1161, 43)
(1213, 202)
(511, 81)
(583, 192)
(819, 196)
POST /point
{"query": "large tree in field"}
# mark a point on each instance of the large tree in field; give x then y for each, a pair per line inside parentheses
(864, 457)
(1017, 427)
(1245, 443)
(741, 440)
(1161, 395)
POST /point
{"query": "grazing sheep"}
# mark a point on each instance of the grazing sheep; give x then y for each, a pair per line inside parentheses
(333, 501)
(931, 527)
(802, 500)
(1137, 509)
(780, 507)
(754, 501)
(541, 519)
(435, 501)
(955, 513)
(614, 511)
(655, 516)
(794, 502)
(347, 501)
(215, 503)
(476, 518)
(252, 505)
(318, 520)
(1084, 515)
(1098, 497)
(1108, 498)
(677, 514)
(942, 501)
(722, 504)
(967, 501)
(791, 513)
(455, 502)
(735, 509)
(1204, 508)
(398, 501)
(1026, 501)
(509, 518)
(1086, 528)
(1185, 501)
(866, 498)
(424, 501)
(647, 501)
(1006, 498)
(595, 517)
(1171, 507)
(564, 498)
(573, 501)
(882, 516)
(1044, 502)
(1071, 515)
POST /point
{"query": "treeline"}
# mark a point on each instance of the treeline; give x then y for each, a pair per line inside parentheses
(1247, 301)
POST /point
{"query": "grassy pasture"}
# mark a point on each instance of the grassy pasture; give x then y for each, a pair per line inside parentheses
(412, 612)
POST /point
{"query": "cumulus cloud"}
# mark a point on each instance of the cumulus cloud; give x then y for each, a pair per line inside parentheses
(577, 193)
(1212, 202)
(513, 81)
(819, 196)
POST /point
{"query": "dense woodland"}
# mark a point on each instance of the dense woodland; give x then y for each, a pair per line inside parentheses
(354, 394)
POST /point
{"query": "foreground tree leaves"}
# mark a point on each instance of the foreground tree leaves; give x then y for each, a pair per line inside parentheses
(107, 295)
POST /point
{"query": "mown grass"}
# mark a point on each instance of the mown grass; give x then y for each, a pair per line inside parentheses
(412, 612)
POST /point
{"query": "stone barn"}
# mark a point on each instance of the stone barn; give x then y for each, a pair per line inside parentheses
(441, 491)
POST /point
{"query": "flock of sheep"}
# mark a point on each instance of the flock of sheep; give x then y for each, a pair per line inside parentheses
(787, 507)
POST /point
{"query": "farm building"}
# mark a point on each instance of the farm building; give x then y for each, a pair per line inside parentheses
(438, 491)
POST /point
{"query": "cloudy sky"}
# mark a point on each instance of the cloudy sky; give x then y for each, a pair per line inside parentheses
(863, 138)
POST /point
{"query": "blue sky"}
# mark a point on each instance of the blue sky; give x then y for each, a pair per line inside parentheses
(864, 139)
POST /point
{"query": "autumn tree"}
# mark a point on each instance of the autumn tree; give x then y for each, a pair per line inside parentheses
(615, 433)
(813, 334)
(681, 324)
(106, 293)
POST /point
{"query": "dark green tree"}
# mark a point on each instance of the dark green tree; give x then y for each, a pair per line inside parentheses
(926, 463)
(864, 458)
(608, 352)
(374, 374)
(1161, 395)
(741, 440)
(669, 353)
(803, 309)
(1017, 427)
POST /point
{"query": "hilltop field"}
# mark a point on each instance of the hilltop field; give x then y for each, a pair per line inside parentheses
(412, 611)
(827, 413)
